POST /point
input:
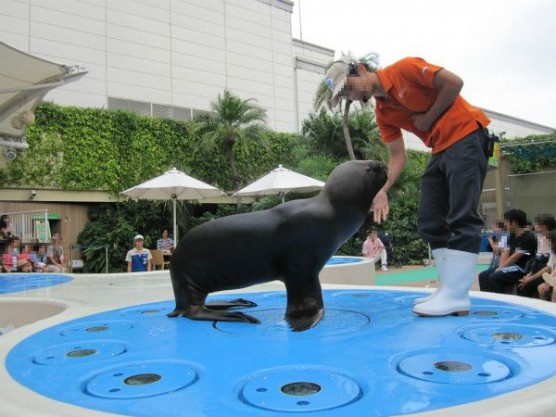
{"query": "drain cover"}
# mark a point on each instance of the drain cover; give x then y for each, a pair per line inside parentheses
(79, 352)
(274, 325)
(299, 390)
(510, 335)
(100, 328)
(153, 310)
(498, 312)
(141, 380)
(454, 368)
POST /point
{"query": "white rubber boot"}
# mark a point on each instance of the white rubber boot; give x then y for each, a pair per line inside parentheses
(453, 296)
(440, 261)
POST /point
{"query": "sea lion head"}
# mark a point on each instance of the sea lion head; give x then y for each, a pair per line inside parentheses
(356, 183)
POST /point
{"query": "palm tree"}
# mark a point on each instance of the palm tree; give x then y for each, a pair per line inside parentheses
(324, 95)
(232, 120)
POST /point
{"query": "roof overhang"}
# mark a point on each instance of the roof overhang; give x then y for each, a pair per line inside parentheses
(24, 81)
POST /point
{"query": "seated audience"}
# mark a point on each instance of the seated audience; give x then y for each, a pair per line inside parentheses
(24, 265)
(165, 243)
(537, 266)
(9, 256)
(55, 255)
(546, 288)
(39, 258)
(522, 247)
(374, 249)
(497, 241)
(5, 231)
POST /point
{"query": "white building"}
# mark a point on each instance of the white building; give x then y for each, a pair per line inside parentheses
(171, 58)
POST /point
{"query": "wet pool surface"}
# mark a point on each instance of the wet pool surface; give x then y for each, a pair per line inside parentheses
(370, 356)
(14, 282)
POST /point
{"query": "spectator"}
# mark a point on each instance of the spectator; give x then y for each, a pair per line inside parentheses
(546, 288)
(374, 249)
(39, 258)
(24, 265)
(9, 256)
(511, 268)
(55, 255)
(25, 252)
(537, 266)
(5, 231)
(165, 243)
(497, 241)
(139, 259)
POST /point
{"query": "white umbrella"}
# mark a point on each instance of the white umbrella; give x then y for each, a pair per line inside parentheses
(175, 185)
(280, 181)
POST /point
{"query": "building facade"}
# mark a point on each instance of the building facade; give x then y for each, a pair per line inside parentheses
(171, 58)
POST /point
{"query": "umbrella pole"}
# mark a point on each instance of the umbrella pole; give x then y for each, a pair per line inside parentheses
(175, 227)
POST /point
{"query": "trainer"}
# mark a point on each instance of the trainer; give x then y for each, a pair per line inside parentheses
(424, 99)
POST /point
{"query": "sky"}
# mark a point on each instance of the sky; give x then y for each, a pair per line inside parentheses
(504, 50)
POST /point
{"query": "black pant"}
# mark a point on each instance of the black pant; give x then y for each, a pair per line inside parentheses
(501, 281)
(530, 289)
(450, 191)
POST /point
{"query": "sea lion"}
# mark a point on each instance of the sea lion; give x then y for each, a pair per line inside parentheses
(290, 242)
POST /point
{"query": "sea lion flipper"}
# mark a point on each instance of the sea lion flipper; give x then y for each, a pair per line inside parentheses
(300, 320)
(212, 315)
(224, 305)
(200, 312)
(305, 304)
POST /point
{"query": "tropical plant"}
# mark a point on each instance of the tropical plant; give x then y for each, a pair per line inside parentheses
(232, 120)
(323, 132)
(324, 95)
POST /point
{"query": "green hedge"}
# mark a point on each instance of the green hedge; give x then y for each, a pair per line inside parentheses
(76, 148)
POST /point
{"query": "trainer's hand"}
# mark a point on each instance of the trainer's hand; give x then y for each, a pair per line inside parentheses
(380, 207)
(422, 121)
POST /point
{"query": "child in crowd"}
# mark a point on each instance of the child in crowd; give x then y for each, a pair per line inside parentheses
(374, 249)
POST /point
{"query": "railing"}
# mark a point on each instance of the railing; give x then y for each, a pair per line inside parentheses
(30, 226)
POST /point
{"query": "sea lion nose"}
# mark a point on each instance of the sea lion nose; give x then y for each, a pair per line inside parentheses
(380, 166)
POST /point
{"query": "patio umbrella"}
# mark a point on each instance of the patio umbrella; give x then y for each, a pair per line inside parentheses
(280, 181)
(175, 185)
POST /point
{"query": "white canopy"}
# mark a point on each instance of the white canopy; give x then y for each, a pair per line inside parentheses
(24, 81)
(174, 185)
(280, 181)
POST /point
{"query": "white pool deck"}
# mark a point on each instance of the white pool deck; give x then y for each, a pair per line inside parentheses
(37, 309)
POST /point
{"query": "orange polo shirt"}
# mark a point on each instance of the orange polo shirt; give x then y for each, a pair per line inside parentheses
(409, 84)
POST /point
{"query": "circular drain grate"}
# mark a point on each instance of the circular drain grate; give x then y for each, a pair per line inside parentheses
(141, 380)
(100, 328)
(153, 310)
(489, 312)
(299, 390)
(510, 335)
(79, 353)
(274, 325)
(456, 368)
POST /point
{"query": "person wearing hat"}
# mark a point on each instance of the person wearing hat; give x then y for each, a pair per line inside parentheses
(24, 265)
(424, 99)
(139, 258)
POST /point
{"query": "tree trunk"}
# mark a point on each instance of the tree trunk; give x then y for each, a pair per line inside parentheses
(232, 162)
(347, 137)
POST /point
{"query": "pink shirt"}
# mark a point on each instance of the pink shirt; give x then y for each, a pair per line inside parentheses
(372, 248)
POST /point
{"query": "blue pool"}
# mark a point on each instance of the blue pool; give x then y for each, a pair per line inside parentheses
(368, 357)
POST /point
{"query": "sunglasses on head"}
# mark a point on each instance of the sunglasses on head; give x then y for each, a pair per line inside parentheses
(352, 69)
